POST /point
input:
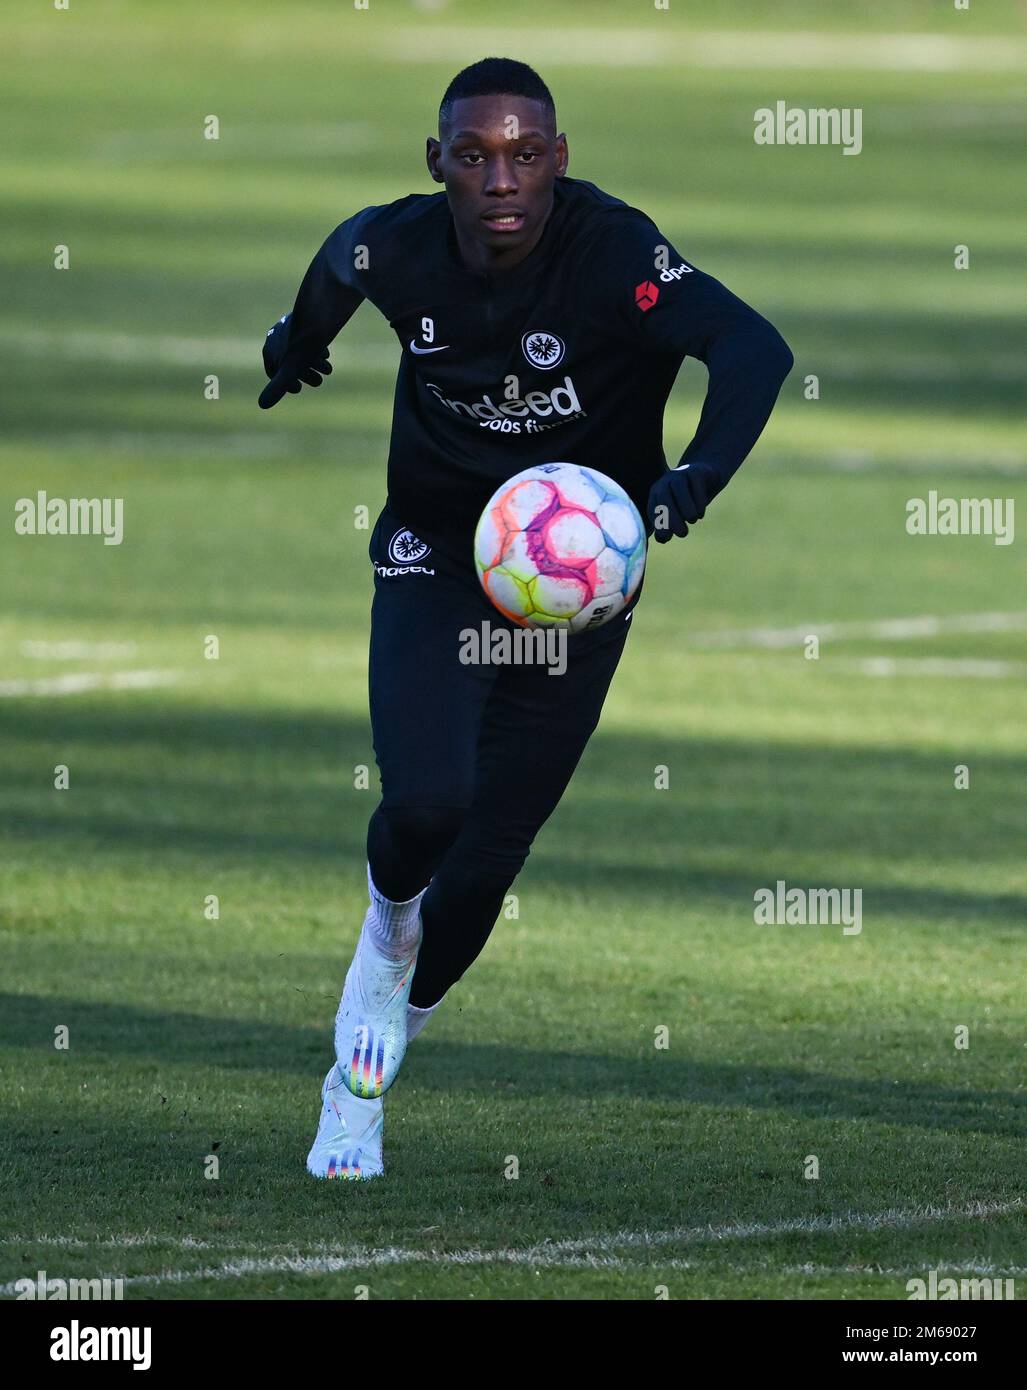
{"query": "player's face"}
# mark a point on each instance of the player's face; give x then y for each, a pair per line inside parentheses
(498, 157)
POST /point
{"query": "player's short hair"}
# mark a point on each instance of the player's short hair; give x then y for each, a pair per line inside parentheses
(496, 77)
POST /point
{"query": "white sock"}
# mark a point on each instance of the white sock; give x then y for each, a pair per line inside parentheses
(395, 927)
(417, 1018)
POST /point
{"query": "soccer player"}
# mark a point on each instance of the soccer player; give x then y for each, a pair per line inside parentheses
(539, 319)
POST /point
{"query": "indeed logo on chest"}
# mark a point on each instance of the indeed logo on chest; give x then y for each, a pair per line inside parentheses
(516, 413)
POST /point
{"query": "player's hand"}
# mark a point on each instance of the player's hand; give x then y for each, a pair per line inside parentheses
(678, 500)
(287, 379)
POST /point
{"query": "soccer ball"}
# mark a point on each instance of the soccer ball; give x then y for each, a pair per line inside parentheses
(560, 546)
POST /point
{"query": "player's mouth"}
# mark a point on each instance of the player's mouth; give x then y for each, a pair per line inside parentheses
(510, 220)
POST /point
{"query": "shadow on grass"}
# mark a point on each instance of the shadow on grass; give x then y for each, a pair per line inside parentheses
(245, 789)
(107, 1034)
(87, 396)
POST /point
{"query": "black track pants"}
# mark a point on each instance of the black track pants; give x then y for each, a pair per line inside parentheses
(473, 757)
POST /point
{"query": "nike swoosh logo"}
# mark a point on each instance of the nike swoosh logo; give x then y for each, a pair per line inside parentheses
(422, 351)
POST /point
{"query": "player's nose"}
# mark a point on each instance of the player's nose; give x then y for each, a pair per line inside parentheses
(502, 178)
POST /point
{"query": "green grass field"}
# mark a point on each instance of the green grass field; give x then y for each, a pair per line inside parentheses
(639, 1167)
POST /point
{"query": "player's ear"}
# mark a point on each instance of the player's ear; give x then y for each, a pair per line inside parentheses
(432, 155)
(562, 156)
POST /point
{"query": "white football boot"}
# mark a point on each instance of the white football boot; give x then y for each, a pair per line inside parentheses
(349, 1136)
(371, 1024)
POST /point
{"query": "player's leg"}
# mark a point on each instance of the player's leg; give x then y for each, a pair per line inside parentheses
(426, 709)
(516, 741)
(533, 734)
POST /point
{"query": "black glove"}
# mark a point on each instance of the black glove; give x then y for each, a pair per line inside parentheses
(684, 493)
(288, 378)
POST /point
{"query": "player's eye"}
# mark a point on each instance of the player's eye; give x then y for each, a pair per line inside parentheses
(472, 157)
(528, 156)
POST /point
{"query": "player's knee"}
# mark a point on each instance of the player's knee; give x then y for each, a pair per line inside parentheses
(424, 832)
(492, 849)
(478, 873)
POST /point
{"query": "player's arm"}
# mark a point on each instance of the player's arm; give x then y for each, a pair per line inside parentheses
(662, 306)
(296, 349)
(747, 360)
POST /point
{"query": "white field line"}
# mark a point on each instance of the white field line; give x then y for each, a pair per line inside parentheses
(660, 46)
(81, 682)
(280, 444)
(270, 139)
(235, 443)
(118, 347)
(377, 1259)
(169, 349)
(955, 667)
(595, 1252)
(895, 1218)
(944, 115)
(131, 1242)
(891, 629)
(916, 366)
(77, 651)
(1006, 462)
(945, 1271)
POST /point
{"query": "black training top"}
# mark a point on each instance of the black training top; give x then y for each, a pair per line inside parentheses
(568, 356)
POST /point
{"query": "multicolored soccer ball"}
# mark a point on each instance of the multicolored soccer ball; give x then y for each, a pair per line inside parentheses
(560, 546)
